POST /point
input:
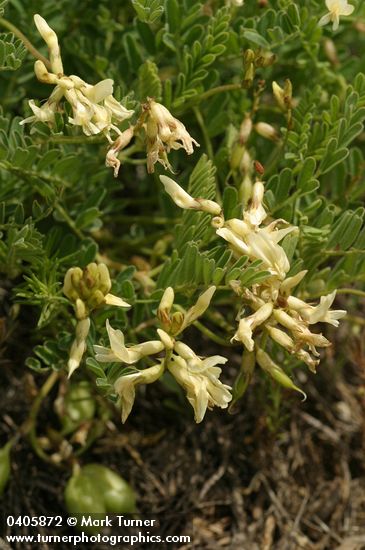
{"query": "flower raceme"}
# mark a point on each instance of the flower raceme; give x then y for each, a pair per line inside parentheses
(161, 131)
(274, 311)
(336, 8)
(88, 289)
(199, 377)
(94, 108)
(96, 111)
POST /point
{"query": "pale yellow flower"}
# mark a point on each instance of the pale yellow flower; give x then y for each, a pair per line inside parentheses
(336, 8)
(94, 108)
(200, 379)
(125, 386)
(182, 199)
(163, 133)
(119, 353)
(320, 313)
(247, 325)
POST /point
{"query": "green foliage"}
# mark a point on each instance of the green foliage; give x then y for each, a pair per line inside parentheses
(61, 207)
(148, 11)
(12, 52)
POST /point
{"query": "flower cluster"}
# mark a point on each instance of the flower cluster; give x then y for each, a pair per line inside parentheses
(94, 108)
(96, 111)
(199, 377)
(162, 132)
(88, 289)
(273, 309)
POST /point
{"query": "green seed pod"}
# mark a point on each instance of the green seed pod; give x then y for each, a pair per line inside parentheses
(78, 407)
(277, 373)
(5, 465)
(95, 489)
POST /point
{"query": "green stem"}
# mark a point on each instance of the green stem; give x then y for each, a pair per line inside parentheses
(343, 252)
(354, 291)
(208, 144)
(75, 139)
(355, 319)
(12, 28)
(69, 221)
(211, 335)
(156, 270)
(203, 129)
(147, 220)
(209, 93)
(30, 426)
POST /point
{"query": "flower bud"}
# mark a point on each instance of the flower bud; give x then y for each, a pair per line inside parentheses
(246, 163)
(199, 308)
(165, 306)
(177, 320)
(281, 338)
(283, 96)
(211, 207)
(245, 190)
(50, 38)
(249, 56)
(80, 309)
(249, 76)
(245, 129)
(267, 131)
(178, 194)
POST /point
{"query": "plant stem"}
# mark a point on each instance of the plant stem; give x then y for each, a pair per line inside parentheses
(213, 91)
(75, 139)
(355, 319)
(69, 221)
(12, 28)
(30, 425)
(354, 291)
(212, 335)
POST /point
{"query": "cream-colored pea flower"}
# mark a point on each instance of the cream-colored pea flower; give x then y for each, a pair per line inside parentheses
(182, 199)
(94, 108)
(336, 8)
(320, 313)
(247, 325)
(163, 133)
(200, 379)
(302, 335)
(125, 386)
(119, 353)
(78, 346)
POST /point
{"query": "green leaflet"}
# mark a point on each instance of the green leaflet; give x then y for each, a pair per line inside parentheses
(149, 83)
(12, 52)
(148, 11)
